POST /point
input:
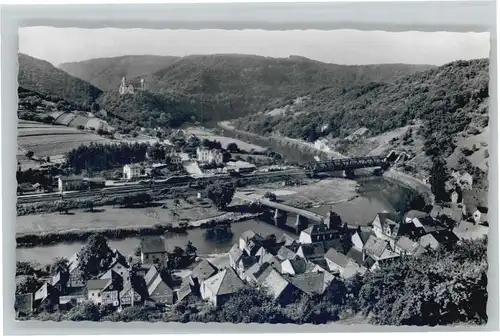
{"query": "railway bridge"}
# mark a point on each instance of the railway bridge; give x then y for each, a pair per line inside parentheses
(348, 165)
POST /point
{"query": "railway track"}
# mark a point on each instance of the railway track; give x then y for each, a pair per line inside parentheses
(135, 188)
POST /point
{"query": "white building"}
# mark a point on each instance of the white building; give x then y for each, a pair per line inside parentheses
(131, 171)
(209, 155)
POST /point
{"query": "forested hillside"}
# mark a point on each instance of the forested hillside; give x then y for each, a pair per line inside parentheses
(448, 99)
(41, 76)
(106, 73)
(148, 109)
(230, 86)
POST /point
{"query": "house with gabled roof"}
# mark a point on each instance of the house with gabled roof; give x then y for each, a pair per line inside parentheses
(75, 279)
(361, 258)
(128, 296)
(470, 230)
(285, 253)
(46, 294)
(378, 250)
(359, 239)
(280, 288)
(436, 239)
(254, 272)
(204, 270)
(153, 249)
(418, 224)
(454, 212)
(235, 254)
(120, 266)
(160, 292)
(311, 283)
(221, 287)
(319, 232)
(386, 225)
(294, 266)
(103, 292)
(248, 236)
(340, 264)
(244, 264)
(406, 246)
(312, 251)
(481, 215)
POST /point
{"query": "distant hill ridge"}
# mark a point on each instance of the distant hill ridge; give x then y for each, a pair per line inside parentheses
(226, 86)
(41, 76)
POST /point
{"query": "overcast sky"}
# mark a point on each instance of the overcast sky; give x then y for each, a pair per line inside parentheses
(59, 45)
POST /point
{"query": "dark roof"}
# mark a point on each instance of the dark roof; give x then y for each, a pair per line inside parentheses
(309, 283)
(317, 229)
(313, 249)
(98, 284)
(159, 288)
(24, 303)
(225, 282)
(299, 265)
(355, 255)
(153, 245)
(445, 237)
(364, 235)
(203, 270)
(248, 261)
(249, 234)
(337, 258)
(387, 217)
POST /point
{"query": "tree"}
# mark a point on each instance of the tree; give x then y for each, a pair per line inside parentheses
(60, 265)
(221, 194)
(29, 154)
(437, 179)
(191, 249)
(27, 284)
(95, 256)
(24, 268)
(232, 147)
(86, 311)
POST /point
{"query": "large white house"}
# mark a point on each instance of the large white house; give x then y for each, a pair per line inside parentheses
(205, 155)
(131, 171)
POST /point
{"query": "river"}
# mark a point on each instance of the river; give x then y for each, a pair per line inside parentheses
(376, 195)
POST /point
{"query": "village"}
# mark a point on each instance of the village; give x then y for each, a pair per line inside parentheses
(287, 267)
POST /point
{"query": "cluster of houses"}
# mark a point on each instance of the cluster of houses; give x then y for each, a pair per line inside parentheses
(287, 266)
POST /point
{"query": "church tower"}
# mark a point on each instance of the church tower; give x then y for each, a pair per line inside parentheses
(143, 84)
(123, 86)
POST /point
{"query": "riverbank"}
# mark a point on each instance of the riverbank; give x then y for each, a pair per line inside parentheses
(79, 234)
(406, 180)
(296, 143)
(412, 183)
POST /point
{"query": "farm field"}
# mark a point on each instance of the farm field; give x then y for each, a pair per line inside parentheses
(109, 217)
(49, 140)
